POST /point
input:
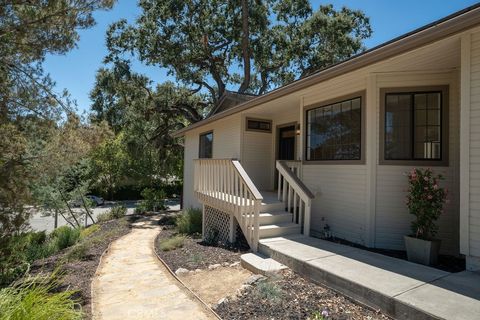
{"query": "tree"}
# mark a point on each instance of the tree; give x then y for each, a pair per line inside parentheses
(143, 116)
(28, 31)
(252, 46)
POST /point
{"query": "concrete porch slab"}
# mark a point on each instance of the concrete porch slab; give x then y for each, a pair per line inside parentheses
(456, 296)
(401, 289)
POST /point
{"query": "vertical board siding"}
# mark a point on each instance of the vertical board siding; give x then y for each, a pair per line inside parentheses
(392, 219)
(475, 146)
(226, 145)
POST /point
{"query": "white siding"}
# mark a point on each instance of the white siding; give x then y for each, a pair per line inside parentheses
(474, 228)
(392, 218)
(340, 190)
(226, 144)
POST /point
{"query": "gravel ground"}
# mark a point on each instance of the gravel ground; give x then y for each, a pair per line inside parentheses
(77, 274)
(289, 296)
(285, 296)
(195, 254)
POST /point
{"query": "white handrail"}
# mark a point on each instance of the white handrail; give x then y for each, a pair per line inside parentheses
(223, 184)
(295, 195)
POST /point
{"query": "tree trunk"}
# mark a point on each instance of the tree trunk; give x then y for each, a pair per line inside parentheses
(245, 48)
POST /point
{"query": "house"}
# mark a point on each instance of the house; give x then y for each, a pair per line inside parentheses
(329, 151)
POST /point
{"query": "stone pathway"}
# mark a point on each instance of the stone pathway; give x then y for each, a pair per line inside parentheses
(132, 284)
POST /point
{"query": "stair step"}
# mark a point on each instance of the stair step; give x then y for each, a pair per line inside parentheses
(272, 206)
(260, 264)
(274, 217)
(278, 230)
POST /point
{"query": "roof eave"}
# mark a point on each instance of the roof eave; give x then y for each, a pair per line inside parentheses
(458, 22)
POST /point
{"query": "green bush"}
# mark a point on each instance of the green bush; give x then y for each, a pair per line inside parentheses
(189, 221)
(153, 200)
(84, 233)
(79, 251)
(36, 298)
(65, 236)
(118, 211)
(172, 243)
(269, 290)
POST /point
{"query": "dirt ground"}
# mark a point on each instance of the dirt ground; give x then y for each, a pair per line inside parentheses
(213, 285)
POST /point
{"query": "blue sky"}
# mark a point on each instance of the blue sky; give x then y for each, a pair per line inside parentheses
(76, 70)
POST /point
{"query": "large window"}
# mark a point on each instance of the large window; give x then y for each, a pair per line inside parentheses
(206, 145)
(414, 126)
(334, 131)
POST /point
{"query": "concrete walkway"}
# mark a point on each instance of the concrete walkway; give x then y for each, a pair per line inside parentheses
(399, 288)
(132, 284)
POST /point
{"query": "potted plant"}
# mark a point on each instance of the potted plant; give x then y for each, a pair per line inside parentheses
(425, 200)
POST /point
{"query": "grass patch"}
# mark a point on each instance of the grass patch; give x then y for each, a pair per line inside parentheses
(172, 243)
(189, 222)
(65, 237)
(36, 298)
(115, 212)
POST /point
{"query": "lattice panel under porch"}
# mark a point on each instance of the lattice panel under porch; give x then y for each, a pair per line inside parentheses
(217, 223)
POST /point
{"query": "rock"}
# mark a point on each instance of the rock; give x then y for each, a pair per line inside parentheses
(181, 271)
(198, 270)
(220, 302)
(235, 264)
(255, 278)
(225, 264)
(242, 289)
(214, 266)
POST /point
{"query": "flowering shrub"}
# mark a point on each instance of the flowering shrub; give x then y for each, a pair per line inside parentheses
(425, 200)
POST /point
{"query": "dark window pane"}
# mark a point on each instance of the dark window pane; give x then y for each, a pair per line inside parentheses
(206, 145)
(334, 131)
(398, 127)
(426, 126)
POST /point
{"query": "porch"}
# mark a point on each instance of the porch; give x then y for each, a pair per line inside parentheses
(231, 202)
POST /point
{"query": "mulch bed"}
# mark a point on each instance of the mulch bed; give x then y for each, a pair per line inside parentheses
(296, 298)
(446, 263)
(196, 254)
(77, 275)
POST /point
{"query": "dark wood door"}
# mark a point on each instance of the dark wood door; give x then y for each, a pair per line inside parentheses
(286, 143)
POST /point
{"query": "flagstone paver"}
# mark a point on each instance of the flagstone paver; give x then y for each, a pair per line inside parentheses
(131, 283)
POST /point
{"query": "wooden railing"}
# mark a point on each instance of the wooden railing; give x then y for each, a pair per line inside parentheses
(223, 184)
(295, 195)
(295, 166)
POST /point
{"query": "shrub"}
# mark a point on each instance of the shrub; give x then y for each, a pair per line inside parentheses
(36, 298)
(425, 201)
(189, 222)
(104, 216)
(78, 251)
(65, 236)
(153, 200)
(172, 243)
(84, 233)
(269, 290)
(118, 212)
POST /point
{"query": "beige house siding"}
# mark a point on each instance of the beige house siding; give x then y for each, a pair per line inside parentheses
(392, 220)
(340, 190)
(474, 165)
(226, 144)
(257, 157)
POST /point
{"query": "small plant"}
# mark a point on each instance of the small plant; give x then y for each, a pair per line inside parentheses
(104, 216)
(86, 232)
(172, 243)
(189, 222)
(153, 200)
(269, 290)
(320, 315)
(118, 212)
(78, 251)
(36, 298)
(211, 236)
(196, 258)
(425, 201)
(65, 237)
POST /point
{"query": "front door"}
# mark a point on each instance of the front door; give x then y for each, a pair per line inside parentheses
(286, 143)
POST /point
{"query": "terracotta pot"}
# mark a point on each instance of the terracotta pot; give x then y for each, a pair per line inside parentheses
(422, 251)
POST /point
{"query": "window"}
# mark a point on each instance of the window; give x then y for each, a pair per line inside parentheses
(259, 125)
(414, 127)
(206, 145)
(334, 131)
